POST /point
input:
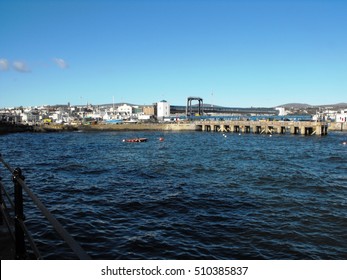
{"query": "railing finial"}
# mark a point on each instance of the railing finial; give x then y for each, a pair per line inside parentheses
(17, 174)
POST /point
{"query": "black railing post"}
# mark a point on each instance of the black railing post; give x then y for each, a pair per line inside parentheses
(19, 214)
(1, 202)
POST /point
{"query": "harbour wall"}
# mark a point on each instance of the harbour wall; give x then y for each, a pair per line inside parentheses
(227, 126)
(140, 127)
(335, 126)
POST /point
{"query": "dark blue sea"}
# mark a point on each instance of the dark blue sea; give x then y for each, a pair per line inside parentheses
(195, 195)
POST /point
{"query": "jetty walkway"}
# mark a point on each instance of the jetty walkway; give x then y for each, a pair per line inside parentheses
(265, 127)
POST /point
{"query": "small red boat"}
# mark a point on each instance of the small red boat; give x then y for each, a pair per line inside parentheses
(135, 140)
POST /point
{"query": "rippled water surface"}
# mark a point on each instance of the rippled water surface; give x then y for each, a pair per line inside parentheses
(196, 195)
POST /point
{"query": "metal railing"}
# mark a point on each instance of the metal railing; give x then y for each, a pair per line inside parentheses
(16, 225)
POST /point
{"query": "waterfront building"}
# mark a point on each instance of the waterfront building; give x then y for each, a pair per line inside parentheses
(125, 110)
(148, 110)
(342, 116)
(163, 109)
(281, 111)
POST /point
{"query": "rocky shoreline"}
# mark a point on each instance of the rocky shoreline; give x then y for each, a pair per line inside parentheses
(11, 127)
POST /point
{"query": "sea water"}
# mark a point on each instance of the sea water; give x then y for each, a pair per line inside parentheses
(195, 195)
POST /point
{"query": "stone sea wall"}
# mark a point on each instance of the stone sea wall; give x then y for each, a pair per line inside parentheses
(139, 127)
(337, 126)
(183, 126)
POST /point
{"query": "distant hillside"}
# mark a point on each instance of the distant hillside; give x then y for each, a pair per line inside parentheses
(295, 105)
(339, 105)
(303, 105)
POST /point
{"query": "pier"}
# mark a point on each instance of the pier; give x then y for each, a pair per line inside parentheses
(265, 127)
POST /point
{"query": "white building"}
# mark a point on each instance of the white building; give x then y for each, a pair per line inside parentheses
(163, 109)
(125, 110)
(29, 117)
(106, 117)
(281, 111)
(342, 116)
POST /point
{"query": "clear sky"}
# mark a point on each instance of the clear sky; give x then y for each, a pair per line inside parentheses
(230, 53)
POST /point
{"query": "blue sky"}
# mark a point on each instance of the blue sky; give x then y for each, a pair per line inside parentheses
(230, 53)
